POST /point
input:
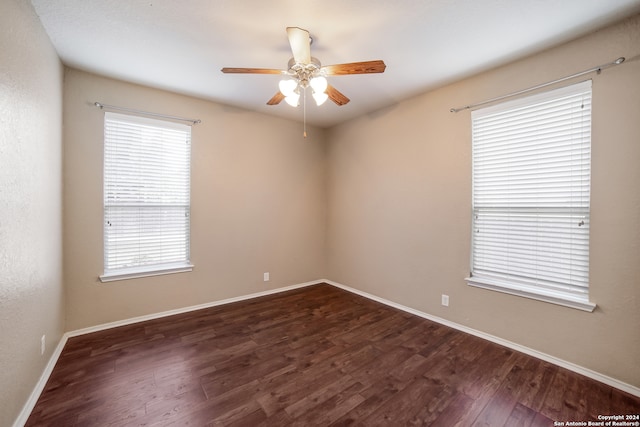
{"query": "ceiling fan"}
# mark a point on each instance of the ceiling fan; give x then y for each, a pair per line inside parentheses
(306, 71)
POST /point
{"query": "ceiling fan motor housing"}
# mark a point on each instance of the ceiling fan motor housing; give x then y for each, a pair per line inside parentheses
(304, 72)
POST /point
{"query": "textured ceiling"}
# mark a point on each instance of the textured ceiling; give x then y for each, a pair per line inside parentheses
(182, 45)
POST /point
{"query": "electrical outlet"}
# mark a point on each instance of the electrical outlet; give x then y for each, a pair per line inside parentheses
(266, 276)
(43, 341)
(445, 300)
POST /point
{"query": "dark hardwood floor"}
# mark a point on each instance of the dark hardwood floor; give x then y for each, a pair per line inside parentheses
(312, 356)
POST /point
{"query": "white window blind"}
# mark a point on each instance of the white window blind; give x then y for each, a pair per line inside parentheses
(531, 183)
(146, 196)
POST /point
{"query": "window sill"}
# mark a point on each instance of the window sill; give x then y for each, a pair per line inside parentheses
(134, 273)
(540, 295)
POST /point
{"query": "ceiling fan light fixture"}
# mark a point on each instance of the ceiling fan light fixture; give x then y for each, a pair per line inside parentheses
(292, 99)
(320, 97)
(288, 87)
(318, 84)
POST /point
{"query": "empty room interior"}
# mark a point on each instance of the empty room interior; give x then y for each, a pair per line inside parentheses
(376, 259)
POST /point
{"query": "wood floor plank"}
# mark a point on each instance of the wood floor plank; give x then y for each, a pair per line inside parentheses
(328, 411)
(535, 391)
(501, 405)
(403, 407)
(455, 413)
(311, 356)
(298, 385)
(521, 416)
(374, 397)
(321, 395)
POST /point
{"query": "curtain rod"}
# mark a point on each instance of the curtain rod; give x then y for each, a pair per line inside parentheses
(509, 95)
(146, 113)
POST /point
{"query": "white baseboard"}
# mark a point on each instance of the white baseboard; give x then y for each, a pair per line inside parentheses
(514, 346)
(35, 394)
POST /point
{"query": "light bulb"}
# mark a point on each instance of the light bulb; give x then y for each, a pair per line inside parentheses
(318, 84)
(320, 97)
(292, 99)
(288, 87)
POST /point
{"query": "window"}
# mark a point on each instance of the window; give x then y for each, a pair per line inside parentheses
(146, 197)
(531, 183)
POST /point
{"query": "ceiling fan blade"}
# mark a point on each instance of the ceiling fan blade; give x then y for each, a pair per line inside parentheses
(276, 99)
(336, 96)
(300, 44)
(231, 70)
(365, 67)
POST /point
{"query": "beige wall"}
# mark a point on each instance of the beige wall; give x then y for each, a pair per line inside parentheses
(399, 208)
(258, 204)
(31, 292)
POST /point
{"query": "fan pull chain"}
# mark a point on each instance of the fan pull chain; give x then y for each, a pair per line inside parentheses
(304, 112)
